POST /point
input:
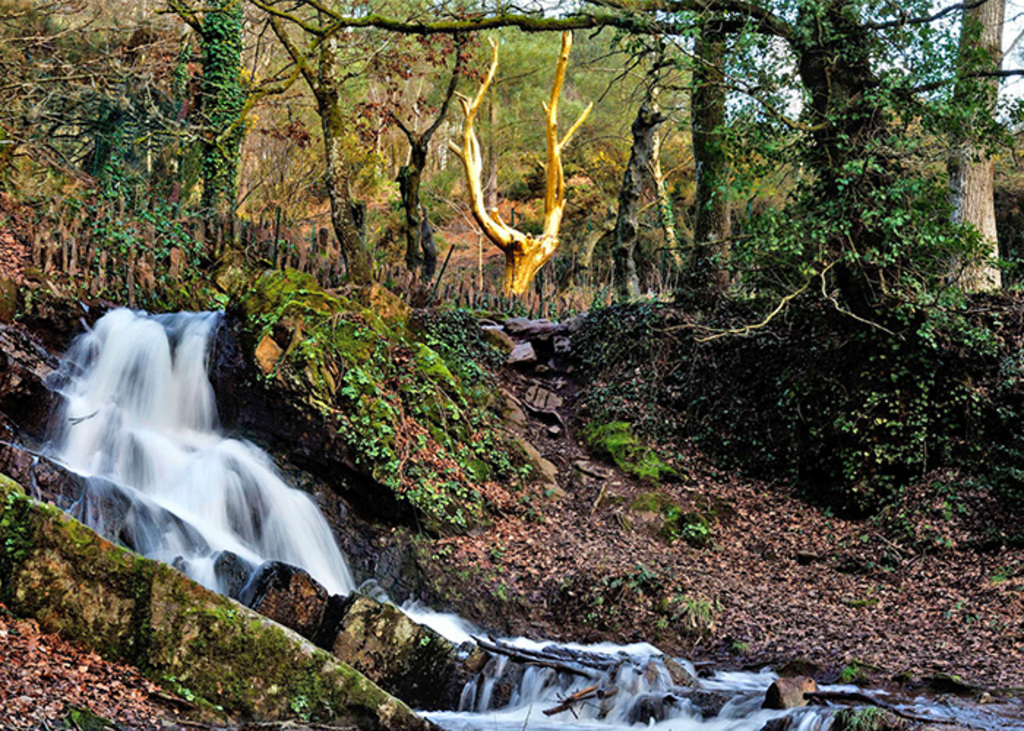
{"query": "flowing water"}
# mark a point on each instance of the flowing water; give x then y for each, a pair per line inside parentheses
(139, 422)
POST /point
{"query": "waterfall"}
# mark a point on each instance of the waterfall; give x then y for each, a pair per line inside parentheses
(139, 422)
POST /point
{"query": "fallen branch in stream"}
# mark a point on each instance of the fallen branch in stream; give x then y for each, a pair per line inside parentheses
(584, 664)
(586, 694)
(824, 696)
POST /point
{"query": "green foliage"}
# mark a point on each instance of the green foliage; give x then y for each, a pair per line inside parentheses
(82, 719)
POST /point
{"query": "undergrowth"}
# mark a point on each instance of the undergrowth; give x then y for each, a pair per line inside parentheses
(851, 413)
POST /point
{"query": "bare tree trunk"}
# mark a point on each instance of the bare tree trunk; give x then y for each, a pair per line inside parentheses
(627, 225)
(409, 177)
(711, 228)
(971, 171)
(491, 188)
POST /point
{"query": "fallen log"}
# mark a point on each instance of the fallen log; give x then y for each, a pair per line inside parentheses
(823, 696)
(584, 664)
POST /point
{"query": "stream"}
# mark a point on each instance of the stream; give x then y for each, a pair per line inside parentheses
(138, 420)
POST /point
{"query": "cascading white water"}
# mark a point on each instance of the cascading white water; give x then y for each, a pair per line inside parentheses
(139, 420)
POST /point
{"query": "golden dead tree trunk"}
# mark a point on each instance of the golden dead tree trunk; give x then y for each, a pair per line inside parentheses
(524, 254)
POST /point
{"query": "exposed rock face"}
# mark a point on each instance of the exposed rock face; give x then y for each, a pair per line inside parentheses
(498, 338)
(24, 367)
(281, 423)
(787, 693)
(414, 662)
(131, 609)
(522, 354)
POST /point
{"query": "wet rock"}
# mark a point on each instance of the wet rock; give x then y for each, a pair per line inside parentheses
(286, 594)
(681, 677)
(574, 324)
(54, 319)
(46, 480)
(649, 708)
(512, 414)
(949, 683)
(268, 353)
(246, 404)
(408, 660)
(709, 702)
(546, 471)
(779, 724)
(494, 686)
(518, 325)
(787, 693)
(233, 572)
(522, 354)
(554, 431)
(498, 338)
(131, 609)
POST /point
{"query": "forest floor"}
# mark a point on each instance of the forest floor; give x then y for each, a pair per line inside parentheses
(780, 581)
(45, 682)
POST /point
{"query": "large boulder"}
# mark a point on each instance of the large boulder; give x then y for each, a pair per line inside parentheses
(131, 609)
(787, 693)
(411, 661)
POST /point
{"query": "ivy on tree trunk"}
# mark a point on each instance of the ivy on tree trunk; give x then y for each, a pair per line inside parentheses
(222, 99)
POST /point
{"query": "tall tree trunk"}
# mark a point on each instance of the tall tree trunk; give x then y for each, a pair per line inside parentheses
(836, 69)
(971, 171)
(711, 227)
(335, 126)
(627, 225)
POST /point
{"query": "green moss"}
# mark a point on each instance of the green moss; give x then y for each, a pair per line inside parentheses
(617, 441)
(17, 532)
(651, 502)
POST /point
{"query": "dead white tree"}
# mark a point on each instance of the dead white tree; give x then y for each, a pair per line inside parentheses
(525, 254)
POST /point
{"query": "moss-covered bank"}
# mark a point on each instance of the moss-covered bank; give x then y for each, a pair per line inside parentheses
(203, 645)
(405, 392)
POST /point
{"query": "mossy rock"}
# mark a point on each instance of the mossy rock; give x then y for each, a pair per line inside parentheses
(130, 609)
(867, 719)
(617, 441)
(692, 526)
